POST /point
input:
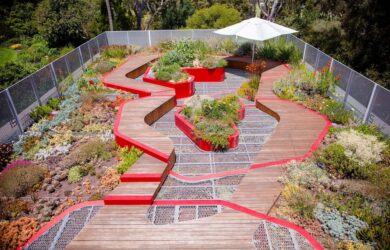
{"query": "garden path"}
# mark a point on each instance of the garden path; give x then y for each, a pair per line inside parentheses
(191, 208)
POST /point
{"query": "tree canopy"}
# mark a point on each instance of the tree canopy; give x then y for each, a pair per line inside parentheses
(214, 17)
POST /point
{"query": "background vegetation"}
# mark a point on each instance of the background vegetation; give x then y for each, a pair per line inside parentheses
(354, 32)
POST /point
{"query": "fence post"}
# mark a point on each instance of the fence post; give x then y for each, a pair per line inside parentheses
(98, 45)
(317, 59)
(13, 110)
(67, 66)
(128, 37)
(331, 65)
(369, 106)
(192, 34)
(304, 53)
(81, 59)
(89, 50)
(348, 87)
(34, 88)
(150, 39)
(55, 79)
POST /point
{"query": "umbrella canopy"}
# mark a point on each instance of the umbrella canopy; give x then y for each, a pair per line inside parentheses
(255, 29)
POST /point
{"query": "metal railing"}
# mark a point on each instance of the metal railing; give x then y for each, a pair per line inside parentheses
(369, 101)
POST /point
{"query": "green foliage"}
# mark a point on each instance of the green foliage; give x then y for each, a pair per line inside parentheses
(336, 112)
(54, 103)
(7, 55)
(96, 197)
(175, 14)
(172, 72)
(103, 67)
(306, 174)
(88, 151)
(40, 112)
(279, 50)
(333, 157)
(300, 200)
(213, 119)
(215, 17)
(20, 20)
(339, 226)
(21, 180)
(6, 151)
(249, 88)
(11, 72)
(128, 158)
(116, 51)
(213, 62)
(245, 49)
(62, 22)
(74, 174)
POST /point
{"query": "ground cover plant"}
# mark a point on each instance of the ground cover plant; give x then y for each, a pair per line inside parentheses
(249, 88)
(67, 156)
(341, 194)
(313, 89)
(213, 118)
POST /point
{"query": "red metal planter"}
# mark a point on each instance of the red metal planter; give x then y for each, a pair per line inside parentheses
(206, 75)
(188, 129)
(182, 89)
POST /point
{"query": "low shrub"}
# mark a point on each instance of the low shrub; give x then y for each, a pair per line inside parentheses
(306, 174)
(6, 151)
(74, 174)
(116, 51)
(16, 233)
(335, 160)
(171, 72)
(213, 62)
(279, 50)
(104, 67)
(87, 151)
(249, 88)
(128, 157)
(21, 180)
(40, 112)
(361, 148)
(96, 197)
(13, 208)
(213, 119)
(336, 112)
(54, 103)
(245, 49)
(110, 179)
(300, 200)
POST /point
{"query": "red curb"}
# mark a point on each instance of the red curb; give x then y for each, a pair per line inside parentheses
(141, 177)
(57, 219)
(246, 210)
(205, 74)
(128, 200)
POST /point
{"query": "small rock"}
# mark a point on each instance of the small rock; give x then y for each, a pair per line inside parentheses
(47, 180)
(44, 186)
(55, 183)
(62, 176)
(50, 189)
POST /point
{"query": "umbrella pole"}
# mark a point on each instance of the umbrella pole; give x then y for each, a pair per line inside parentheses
(253, 51)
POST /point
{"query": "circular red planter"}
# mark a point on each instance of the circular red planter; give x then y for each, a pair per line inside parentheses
(206, 75)
(188, 129)
(182, 89)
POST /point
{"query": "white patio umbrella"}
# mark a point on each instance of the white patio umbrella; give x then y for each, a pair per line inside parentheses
(256, 29)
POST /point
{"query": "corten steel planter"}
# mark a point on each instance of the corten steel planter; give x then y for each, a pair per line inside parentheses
(189, 130)
(182, 89)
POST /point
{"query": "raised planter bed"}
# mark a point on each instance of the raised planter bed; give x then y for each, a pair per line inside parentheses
(182, 89)
(206, 75)
(188, 129)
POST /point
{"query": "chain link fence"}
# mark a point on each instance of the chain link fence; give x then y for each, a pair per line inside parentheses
(369, 101)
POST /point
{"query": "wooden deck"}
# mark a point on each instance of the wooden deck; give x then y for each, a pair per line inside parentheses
(127, 227)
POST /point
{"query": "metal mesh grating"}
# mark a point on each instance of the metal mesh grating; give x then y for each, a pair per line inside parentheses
(62, 233)
(162, 215)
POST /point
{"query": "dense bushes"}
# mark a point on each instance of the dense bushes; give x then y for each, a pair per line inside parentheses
(21, 180)
(6, 151)
(279, 50)
(116, 51)
(215, 17)
(43, 111)
(213, 118)
(169, 72)
(249, 88)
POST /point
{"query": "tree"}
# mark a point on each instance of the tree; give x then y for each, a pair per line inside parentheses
(175, 14)
(109, 14)
(67, 21)
(214, 17)
(270, 8)
(19, 19)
